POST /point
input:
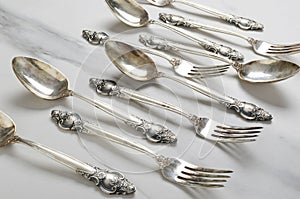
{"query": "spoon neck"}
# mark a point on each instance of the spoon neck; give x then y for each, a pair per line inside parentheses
(161, 74)
(70, 93)
(236, 65)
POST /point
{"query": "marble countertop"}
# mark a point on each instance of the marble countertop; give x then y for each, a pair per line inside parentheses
(51, 31)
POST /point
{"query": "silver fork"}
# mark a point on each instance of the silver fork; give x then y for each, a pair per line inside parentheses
(204, 127)
(259, 46)
(180, 66)
(173, 169)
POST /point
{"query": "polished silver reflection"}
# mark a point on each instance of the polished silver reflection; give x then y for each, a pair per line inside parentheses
(180, 66)
(110, 182)
(172, 169)
(257, 71)
(47, 82)
(204, 127)
(137, 65)
(260, 47)
(134, 15)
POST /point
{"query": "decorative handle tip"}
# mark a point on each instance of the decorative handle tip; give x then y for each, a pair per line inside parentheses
(249, 111)
(95, 38)
(67, 120)
(244, 23)
(110, 182)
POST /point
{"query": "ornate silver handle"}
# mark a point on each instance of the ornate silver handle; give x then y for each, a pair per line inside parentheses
(208, 45)
(104, 87)
(177, 20)
(153, 132)
(73, 122)
(204, 43)
(240, 22)
(159, 43)
(247, 110)
(110, 182)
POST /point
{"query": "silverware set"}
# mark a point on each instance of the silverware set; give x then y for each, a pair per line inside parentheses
(47, 82)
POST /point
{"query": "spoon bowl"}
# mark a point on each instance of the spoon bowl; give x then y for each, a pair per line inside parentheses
(129, 12)
(131, 61)
(267, 71)
(7, 129)
(40, 78)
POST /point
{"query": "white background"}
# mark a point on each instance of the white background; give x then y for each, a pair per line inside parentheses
(51, 31)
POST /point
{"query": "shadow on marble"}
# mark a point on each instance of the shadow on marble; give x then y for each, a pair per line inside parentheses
(61, 172)
(268, 93)
(237, 152)
(30, 101)
(116, 152)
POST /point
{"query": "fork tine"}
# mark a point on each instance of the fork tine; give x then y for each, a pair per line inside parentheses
(207, 73)
(187, 180)
(237, 140)
(207, 170)
(239, 127)
(201, 179)
(237, 132)
(205, 76)
(234, 136)
(199, 75)
(203, 174)
(278, 52)
(209, 70)
(221, 67)
(286, 46)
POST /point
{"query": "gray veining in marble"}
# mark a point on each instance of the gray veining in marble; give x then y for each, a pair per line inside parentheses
(39, 40)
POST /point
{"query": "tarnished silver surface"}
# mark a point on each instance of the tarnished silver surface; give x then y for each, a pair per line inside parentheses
(240, 22)
(110, 182)
(132, 14)
(257, 71)
(206, 44)
(258, 46)
(47, 82)
(244, 23)
(137, 65)
(95, 38)
(204, 127)
(154, 132)
(173, 169)
(180, 66)
(249, 111)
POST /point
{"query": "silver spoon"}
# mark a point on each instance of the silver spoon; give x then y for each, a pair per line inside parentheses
(110, 182)
(240, 22)
(257, 71)
(173, 169)
(134, 15)
(137, 65)
(180, 66)
(47, 82)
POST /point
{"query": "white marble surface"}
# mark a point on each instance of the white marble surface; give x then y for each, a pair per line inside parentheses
(51, 31)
